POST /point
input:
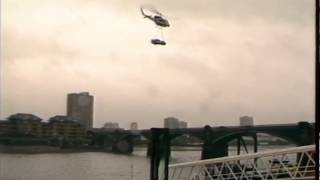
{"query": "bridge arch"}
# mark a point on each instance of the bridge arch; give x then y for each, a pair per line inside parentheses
(118, 141)
(216, 142)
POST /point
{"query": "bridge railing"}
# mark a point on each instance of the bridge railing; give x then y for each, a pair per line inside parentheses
(290, 163)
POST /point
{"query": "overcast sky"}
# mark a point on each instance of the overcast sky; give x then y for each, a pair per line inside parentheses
(223, 59)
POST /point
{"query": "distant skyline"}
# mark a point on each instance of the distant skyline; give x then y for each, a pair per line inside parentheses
(223, 59)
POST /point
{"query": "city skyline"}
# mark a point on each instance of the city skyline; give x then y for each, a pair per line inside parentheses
(223, 60)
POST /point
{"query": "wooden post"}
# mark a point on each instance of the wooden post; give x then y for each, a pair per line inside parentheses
(160, 153)
(238, 146)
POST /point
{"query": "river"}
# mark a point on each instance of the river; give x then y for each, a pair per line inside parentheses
(87, 165)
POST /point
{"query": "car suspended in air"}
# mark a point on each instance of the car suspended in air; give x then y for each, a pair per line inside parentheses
(158, 19)
(158, 42)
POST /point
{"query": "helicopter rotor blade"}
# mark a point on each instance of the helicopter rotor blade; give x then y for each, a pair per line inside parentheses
(151, 8)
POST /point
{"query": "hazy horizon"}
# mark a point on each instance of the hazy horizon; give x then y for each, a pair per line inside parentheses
(223, 60)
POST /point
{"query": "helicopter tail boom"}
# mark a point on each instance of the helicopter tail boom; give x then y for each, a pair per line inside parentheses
(143, 14)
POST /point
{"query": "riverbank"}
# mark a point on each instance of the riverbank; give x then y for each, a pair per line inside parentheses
(39, 149)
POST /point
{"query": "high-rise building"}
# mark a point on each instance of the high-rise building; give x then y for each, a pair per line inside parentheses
(111, 125)
(171, 123)
(134, 126)
(80, 107)
(183, 124)
(246, 121)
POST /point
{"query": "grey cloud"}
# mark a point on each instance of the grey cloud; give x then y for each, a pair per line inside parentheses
(190, 66)
(152, 91)
(292, 11)
(28, 45)
(267, 75)
(242, 11)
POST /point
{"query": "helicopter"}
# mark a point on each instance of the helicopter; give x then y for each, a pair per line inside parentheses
(157, 19)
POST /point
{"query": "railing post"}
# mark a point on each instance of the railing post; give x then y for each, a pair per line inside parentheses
(160, 153)
(317, 82)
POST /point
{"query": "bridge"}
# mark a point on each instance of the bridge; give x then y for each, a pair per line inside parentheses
(215, 139)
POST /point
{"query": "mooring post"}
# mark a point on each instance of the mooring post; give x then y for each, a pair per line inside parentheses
(149, 147)
(238, 146)
(255, 142)
(307, 137)
(160, 153)
(206, 142)
(255, 145)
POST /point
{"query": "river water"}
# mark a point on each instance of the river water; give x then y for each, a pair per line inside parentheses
(87, 166)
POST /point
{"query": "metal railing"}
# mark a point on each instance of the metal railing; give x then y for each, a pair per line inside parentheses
(290, 163)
